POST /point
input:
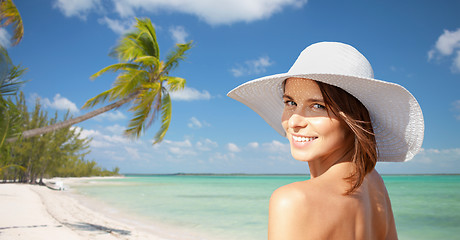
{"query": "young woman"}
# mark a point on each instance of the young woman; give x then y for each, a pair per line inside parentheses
(341, 121)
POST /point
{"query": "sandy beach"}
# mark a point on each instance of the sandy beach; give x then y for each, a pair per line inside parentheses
(37, 212)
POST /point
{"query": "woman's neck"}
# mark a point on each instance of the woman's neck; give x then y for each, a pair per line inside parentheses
(321, 166)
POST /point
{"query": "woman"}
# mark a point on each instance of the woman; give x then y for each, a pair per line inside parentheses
(341, 121)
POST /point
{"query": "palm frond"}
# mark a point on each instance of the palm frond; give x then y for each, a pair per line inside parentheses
(156, 86)
(156, 107)
(166, 110)
(173, 58)
(13, 166)
(9, 74)
(148, 61)
(147, 37)
(5, 59)
(10, 15)
(128, 82)
(142, 110)
(10, 84)
(128, 48)
(100, 98)
(115, 67)
(175, 83)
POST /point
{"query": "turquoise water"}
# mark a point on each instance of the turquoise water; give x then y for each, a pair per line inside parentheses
(236, 207)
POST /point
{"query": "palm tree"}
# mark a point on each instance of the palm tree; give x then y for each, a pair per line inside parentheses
(10, 82)
(9, 74)
(143, 81)
(9, 14)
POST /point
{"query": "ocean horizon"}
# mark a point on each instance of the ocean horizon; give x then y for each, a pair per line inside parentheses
(235, 206)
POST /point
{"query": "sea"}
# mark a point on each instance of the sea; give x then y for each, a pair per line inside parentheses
(236, 206)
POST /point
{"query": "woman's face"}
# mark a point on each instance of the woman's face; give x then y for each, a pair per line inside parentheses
(314, 134)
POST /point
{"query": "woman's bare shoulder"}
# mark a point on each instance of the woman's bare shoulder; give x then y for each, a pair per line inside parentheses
(292, 195)
(285, 211)
(291, 208)
(300, 195)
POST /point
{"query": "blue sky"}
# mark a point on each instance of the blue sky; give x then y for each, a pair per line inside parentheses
(413, 43)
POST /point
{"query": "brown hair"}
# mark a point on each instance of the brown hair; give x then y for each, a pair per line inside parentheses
(356, 117)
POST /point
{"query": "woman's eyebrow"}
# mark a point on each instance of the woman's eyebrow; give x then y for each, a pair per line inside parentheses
(309, 99)
(316, 100)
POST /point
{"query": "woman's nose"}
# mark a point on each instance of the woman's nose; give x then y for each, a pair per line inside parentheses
(297, 121)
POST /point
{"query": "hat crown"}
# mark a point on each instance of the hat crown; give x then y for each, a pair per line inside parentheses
(332, 58)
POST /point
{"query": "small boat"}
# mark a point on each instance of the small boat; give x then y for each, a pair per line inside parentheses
(56, 185)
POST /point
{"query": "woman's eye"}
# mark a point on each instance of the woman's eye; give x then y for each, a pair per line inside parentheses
(318, 106)
(290, 103)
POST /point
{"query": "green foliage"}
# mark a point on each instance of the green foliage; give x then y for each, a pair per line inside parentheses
(143, 79)
(10, 82)
(10, 75)
(9, 14)
(10, 120)
(59, 153)
(56, 154)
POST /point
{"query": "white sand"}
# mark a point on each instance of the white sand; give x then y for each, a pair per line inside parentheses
(36, 212)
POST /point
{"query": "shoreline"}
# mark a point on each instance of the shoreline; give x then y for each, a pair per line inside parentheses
(37, 212)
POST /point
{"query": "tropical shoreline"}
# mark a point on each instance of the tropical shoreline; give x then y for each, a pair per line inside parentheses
(37, 212)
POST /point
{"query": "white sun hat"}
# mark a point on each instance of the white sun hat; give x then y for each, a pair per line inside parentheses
(396, 116)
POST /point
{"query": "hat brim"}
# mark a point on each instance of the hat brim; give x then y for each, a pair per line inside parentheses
(396, 116)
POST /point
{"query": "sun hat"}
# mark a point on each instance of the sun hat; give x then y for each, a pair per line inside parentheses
(396, 116)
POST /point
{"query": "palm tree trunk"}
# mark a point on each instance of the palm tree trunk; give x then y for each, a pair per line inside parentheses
(72, 121)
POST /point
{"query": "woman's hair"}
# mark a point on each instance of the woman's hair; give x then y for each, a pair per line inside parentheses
(355, 115)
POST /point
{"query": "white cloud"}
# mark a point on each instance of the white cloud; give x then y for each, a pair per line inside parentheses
(124, 8)
(116, 139)
(133, 152)
(233, 147)
(84, 133)
(115, 129)
(252, 67)
(80, 8)
(253, 145)
(59, 103)
(447, 45)
(428, 161)
(110, 116)
(118, 26)
(185, 143)
(448, 41)
(195, 123)
(178, 148)
(4, 38)
(206, 145)
(181, 151)
(95, 134)
(97, 137)
(101, 140)
(178, 34)
(221, 12)
(212, 12)
(220, 158)
(276, 146)
(190, 94)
